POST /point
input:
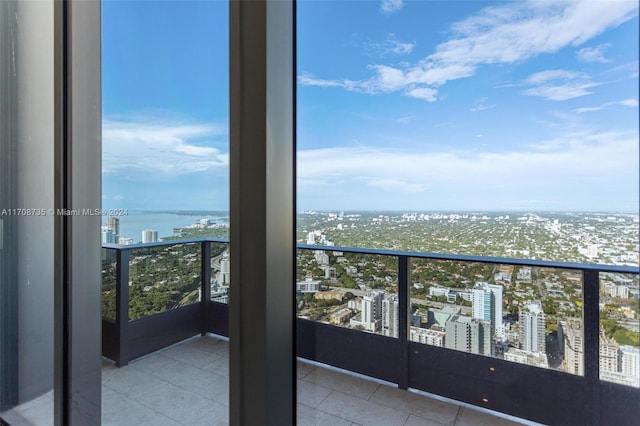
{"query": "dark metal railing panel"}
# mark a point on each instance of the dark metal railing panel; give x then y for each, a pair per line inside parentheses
(147, 335)
(591, 318)
(403, 321)
(122, 307)
(218, 318)
(205, 282)
(618, 404)
(542, 395)
(377, 356)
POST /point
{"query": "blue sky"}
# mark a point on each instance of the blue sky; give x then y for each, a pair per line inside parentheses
(423, 105)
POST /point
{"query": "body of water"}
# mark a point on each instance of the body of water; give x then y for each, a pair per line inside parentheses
(133, 223)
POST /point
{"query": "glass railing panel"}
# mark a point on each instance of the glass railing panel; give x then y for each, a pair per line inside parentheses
(220, 272)
(619, 329)
(358, 291)
(163, 278)
(109, 264)
(523, 314)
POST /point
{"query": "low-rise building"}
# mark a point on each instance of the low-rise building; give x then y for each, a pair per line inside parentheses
(341, 316)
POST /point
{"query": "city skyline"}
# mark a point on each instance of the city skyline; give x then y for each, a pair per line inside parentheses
(423, 106)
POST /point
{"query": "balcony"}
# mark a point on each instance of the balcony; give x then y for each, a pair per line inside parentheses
(187, 384)
(584, 394)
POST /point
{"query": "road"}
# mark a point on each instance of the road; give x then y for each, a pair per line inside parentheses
(465, 310)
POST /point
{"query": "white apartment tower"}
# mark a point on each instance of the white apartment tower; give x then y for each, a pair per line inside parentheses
(390, 316)
(629, 361)
(372, 306)
(149, 236)
(532, 327)
(487, 306)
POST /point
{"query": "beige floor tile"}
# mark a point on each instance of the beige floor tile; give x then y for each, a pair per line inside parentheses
(130, 381)
(344, 383)
(120, 410)
(189, 354)
(469, 417)
(414, 420)
(179, 404)
(361, 411)
(311, 394)
(307, 416)
(431, 409)
(219, 366)
(304, 369)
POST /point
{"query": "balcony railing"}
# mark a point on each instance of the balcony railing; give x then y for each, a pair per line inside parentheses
(574, 394)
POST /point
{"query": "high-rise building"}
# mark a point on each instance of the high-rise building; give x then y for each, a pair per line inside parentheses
(149, 236)
(113, 223)
(468, 335)
(390, 316)
(225, 269)
(311, 238)
(372, 306)
(532, 327)
(573, 347)
(370, 311)
(629, 362)
(487, 306)
(608, 359)
(107, 235)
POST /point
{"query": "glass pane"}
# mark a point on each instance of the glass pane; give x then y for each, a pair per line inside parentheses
(165, 178)
(163, 278)
(349, 290)
(26, 212)
(522, 314)
(619, 329)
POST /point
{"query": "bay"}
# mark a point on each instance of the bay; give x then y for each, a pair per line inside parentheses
(135, 221)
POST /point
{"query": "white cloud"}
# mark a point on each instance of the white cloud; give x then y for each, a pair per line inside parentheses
(405, 119)
(308, 80)
(578, 158)
(630, 103)
(559, 85)
(424, 93)
(481, 105)
(499, 35)
(391, 46)
(593, 54)
(545, 76)
(157, 147)
(390, 6)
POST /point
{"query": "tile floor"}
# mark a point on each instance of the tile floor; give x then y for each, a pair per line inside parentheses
(187, 384)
